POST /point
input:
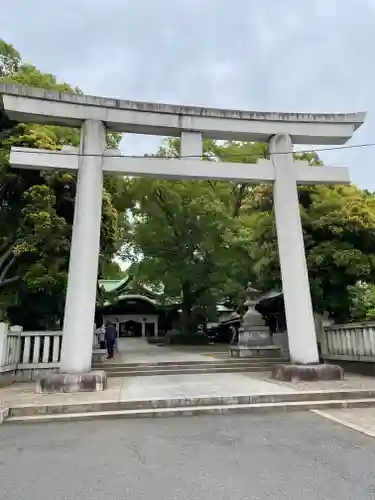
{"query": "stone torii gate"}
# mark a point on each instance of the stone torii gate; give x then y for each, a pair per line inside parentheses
(95, 115)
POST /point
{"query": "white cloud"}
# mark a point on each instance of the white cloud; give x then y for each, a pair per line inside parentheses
(269, 55)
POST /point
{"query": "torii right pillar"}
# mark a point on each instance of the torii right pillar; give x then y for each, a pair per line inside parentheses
(296, 289)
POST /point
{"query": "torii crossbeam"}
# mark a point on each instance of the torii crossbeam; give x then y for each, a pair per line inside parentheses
(94, 115)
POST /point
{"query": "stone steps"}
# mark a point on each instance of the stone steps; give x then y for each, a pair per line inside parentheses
(197, 401)
(324, 400)
(189, 371)
(213, 362)
(186, 367)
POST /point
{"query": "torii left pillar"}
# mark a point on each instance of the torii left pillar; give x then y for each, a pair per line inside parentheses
(76, 352)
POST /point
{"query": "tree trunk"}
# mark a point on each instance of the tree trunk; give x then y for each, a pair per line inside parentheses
(187, 320)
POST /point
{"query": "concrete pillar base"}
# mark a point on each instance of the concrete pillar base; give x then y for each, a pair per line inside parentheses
(307, 373)
(94, 381)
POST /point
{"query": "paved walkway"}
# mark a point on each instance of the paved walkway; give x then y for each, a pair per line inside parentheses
(130, 350)
(359, 419)
(174, 386)
(200, 385)
(153, 387)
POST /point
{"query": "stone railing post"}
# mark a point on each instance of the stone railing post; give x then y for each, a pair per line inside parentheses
(3, 343)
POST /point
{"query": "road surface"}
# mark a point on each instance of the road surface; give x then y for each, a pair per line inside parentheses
(295, 456)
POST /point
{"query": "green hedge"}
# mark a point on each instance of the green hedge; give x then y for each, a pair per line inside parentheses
(175, 337)
(156, 340)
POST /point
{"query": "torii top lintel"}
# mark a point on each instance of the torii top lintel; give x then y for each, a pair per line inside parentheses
(29, 104)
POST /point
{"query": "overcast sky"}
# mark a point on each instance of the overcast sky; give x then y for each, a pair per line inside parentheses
(266, 55)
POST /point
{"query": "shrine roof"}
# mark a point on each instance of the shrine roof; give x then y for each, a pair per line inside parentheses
(127, 285)
(114, 285)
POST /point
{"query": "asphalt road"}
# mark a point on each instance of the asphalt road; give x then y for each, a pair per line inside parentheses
(281, 456)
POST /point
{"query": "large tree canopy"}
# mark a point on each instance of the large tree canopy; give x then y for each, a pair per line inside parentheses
(339, 234)
(186, 234)
(199, 241)
(36, 209)
(204, 240)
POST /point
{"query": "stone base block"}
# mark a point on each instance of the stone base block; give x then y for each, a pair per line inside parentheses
(94, 381)
(255, 351)
(307, 373)
(99, 355)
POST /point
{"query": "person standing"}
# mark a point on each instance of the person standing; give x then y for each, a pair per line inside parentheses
(101, 335)
(110, 338)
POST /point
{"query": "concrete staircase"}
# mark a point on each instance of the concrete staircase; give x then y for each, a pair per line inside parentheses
(189, 367)
(119, 407)
(317, 400)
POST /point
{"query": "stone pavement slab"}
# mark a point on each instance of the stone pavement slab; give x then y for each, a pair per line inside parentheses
(152, 387)
(359, 419)
(350, 382)
(178, 386)
(24, 393)
(130, 350)
(208, 384)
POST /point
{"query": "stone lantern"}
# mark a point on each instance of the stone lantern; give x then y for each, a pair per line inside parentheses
(254, 337)
(253, 330)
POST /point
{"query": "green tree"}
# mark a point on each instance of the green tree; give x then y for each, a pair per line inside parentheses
(36, 209)
(203, 241)
(184, 232)
(10, 59)
(362, 297)
(339, 234)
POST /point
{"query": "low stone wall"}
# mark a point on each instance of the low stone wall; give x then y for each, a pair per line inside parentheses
(356, 367)
(27, 375)
(7, 378)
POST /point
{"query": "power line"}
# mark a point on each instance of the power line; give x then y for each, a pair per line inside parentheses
(302, 151)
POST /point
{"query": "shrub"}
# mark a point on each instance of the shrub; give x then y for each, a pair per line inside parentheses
(175, 337)
(156, 340)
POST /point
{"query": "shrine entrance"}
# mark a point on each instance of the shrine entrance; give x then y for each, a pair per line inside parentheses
(95, 116)
(136, 311)
(133, 325)
(134, 316)
(130, 329)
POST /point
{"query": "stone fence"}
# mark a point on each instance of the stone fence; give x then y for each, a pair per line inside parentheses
(9, 347)
(350, 342)
(28, 351)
